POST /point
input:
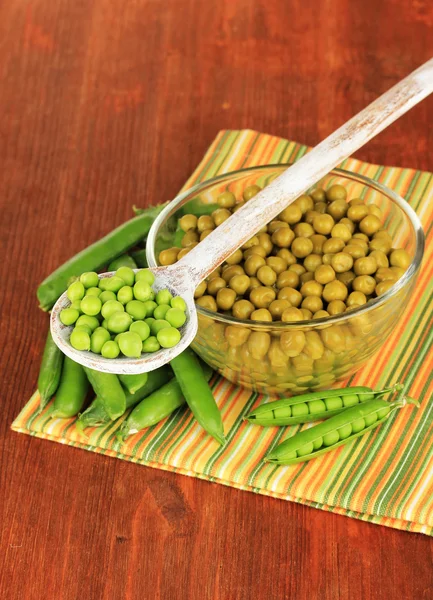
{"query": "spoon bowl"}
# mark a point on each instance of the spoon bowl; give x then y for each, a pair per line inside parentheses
(165, 278)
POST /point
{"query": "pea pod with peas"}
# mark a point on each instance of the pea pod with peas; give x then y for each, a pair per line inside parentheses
(314, 406)
(336, 431)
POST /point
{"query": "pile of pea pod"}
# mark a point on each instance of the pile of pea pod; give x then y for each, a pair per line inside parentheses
(152, 396)
(346, 414)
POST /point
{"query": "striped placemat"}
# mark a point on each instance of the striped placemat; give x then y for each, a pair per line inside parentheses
(385, 477)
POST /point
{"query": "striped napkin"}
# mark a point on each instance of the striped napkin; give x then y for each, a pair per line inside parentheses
(384, 477)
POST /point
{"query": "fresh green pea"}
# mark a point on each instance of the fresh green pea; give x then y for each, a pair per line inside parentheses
(317, 443)
(125, 294)
(68, 316)
(178, 302)
(50, 371)
(370, 419)
(157, 325)
(150, 306)
(149, 321)
(130, 344)
(175, 316)
(299, 410)
(345, 431)
(91, 305)
(119, 322)
(124, 260)
(334, 403)
(350, 400)
(110, 350)
(107, 387)
(141, 328)
(127, 274)
(142, 291)
(88, 320)
(104, 324)
(163, 297)
(160, 311)
(111, 307)
(151, 344)
(358, 425)
(98, 339)
(84, 328)
(111, 284)
(168, 337)
(80, 340)
(283, 412)
(383, 412)
(89, 279)
(71, 392)
(305, 450)
(145, 275)
(316, 406)
(331, 438)
(106, 296)
(75, 291)
(76, 304)
(136, 309)
(93, 291)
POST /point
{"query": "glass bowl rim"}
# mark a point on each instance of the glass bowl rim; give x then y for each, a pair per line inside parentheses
(171, 208)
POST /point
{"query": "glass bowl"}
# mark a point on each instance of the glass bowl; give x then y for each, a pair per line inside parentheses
(260, 355)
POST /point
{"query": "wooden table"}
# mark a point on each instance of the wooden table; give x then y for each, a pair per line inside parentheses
(107, 103)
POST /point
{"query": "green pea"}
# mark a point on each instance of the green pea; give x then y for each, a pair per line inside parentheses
(300, 409)
(111, 307)
(318, 443)
(370, 419)
(84, 328)
(150, 307)
(130, 344)
(358, 425)
(80, 340)
(110, 350)
(331, 438)
(176, 317)
(145, 275)
(93, 291)
(350, 400)
(345, 431)
(142, 291)
(127, 274)
(316, 407)
(76, 305)
(306, 449)
(98, 339)
(75, 291)
(383, 412)
(366, 397)
(168, 337)
(111, 284)
(104, 324)
(157, 325)
(91, 306)
(284, 412)
(89, 279)
(149, 322)
(106, 296)
(68, 316)
(116, 338)
(151, 344)
(136, 309)
(334, 403)
(178, 302)
(163, 297)
(292, 455)
(88, 320)
(119, 322)
(141, 328)
(160, 311)
(125, 294)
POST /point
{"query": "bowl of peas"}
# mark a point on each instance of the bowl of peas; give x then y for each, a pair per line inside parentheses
(313, 295)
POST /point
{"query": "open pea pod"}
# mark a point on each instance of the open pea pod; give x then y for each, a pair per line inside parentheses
(336, 431)
(315, 406)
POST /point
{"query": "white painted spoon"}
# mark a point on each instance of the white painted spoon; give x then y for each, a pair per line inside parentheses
(183, 277)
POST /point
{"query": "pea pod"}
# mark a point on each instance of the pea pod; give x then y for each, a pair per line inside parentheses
(107, 386)
(314, 406)
(96, 255)
(96, 414)
(336, 431)
(124, 260)
(197, 393)
(50, 371)
(72, 390)
(133, 382)
(156, 406)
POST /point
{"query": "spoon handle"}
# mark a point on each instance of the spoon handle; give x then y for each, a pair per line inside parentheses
(298, 178)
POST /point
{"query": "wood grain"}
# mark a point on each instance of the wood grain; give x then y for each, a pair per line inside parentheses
(107, 103)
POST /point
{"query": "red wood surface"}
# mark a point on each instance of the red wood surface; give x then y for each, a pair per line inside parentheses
(107, 103)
